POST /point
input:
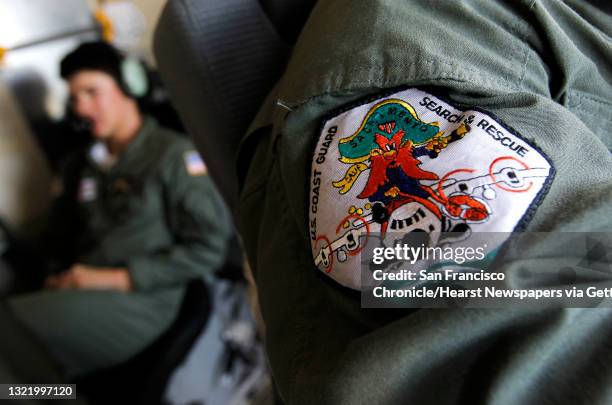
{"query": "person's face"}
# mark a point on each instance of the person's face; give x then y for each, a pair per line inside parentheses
(96, 97)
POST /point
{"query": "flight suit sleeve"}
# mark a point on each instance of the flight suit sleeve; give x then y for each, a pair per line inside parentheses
(300, 185)
(199, 223)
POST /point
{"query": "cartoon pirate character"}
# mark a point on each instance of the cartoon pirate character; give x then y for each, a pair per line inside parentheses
(392, 138)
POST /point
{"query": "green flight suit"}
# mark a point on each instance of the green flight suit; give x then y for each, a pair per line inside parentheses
(155, 212)
(544, 67)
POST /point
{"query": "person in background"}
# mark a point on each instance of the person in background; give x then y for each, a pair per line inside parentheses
(137, 218)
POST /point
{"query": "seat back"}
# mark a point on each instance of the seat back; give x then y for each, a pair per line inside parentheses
(218, 60)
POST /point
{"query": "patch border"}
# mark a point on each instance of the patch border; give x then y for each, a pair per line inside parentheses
(521, 225)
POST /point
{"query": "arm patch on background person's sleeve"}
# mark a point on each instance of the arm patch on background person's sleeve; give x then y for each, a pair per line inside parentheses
(411, 162)
(194, 164)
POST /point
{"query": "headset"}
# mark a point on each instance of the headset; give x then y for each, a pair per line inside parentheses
(134, 77)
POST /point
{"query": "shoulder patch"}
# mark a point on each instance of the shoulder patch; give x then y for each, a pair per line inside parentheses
(194, 164)
(412, 162)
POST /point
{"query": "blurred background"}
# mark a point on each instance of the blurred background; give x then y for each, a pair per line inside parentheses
(35, 129)
(37, 132)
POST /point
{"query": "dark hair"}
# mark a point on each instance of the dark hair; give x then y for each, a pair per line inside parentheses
(94, 56)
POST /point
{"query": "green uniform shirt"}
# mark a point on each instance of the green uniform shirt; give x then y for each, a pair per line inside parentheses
(154, 211)
(545, 69)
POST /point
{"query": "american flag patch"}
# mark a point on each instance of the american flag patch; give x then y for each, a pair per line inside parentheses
(194, 164)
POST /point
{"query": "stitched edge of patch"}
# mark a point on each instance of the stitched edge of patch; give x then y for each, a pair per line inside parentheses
(524, 219)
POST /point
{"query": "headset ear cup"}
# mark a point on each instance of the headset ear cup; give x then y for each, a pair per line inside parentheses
(134, 77)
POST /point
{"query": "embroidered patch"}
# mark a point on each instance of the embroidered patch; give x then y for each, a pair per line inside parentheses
(412, 162)
(194, 164)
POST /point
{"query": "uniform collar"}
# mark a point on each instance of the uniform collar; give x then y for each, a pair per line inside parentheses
(97, 152)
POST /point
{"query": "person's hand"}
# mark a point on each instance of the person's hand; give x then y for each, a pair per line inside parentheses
(81, 276)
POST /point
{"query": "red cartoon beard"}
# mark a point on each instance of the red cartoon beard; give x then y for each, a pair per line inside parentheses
(393, 154)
